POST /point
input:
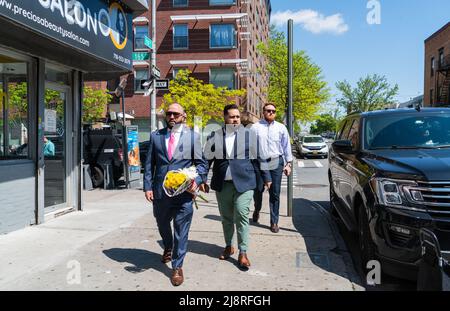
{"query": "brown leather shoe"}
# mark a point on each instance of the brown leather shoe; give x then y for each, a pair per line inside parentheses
(227, 252)
(166, 256)
(255, 217)
(274, 228)
(177, 277)
(244, 263)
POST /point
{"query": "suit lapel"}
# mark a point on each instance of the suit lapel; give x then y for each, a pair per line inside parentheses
(163, 142)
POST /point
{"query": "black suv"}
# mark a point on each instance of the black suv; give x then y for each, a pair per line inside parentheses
(389, 176)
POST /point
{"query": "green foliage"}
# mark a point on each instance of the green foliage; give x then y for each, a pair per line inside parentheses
(18, 102)
(325, 123)
(371, 93)
(199, 98)
(94, 104)
(309, 88)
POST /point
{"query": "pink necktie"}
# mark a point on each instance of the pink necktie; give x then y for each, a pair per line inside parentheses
(171, 145)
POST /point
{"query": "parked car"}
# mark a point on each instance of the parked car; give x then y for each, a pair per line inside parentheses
(312, 145)
(102, 147)
(389, 174)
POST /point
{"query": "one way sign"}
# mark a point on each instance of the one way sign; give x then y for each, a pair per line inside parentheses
(162, 84)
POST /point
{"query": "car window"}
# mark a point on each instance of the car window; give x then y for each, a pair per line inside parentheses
(313, 139)
(341, 129)
(353, 134)
(413, 131)
(345, 132)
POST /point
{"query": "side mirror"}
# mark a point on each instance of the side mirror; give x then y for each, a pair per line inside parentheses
(342, 146)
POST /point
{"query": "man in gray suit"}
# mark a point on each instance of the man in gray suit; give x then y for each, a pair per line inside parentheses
(171, 148)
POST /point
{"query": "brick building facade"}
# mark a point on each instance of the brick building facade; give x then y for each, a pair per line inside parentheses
(437, 68)
(215, 39)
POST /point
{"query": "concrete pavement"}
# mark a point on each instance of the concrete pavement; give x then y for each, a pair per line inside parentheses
(115, 245)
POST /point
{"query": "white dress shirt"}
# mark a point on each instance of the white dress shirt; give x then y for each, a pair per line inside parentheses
(274, 140)
(229, 144)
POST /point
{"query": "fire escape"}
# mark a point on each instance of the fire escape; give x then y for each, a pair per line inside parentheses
(443, 82)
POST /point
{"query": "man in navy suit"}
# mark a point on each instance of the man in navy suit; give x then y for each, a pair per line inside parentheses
(233, 153)
(171, 148)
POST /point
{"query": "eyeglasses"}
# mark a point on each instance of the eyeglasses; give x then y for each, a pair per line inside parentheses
(175, 114)
(270, 111)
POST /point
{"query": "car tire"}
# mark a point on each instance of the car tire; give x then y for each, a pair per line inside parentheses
(366, 245)
(333, 199)
(97, 177)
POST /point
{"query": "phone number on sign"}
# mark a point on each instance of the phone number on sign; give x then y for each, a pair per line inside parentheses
(122, 59)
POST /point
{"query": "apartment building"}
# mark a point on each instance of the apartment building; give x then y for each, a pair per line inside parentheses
(437, 68)
(215, 39)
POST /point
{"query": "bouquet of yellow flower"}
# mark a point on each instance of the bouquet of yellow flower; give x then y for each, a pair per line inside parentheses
(178, 181)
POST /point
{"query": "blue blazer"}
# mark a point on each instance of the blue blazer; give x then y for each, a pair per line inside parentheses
(244, 163)
(188, 153)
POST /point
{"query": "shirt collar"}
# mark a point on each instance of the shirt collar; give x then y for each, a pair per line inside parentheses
(176, 129)
(264, 121)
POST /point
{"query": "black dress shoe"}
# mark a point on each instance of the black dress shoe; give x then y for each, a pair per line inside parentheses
(255, 216)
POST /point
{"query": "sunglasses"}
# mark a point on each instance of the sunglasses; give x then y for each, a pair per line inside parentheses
(175, 114)
(270, 111)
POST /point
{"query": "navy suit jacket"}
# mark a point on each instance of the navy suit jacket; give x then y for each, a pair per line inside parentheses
(188, 153)
(244, 163)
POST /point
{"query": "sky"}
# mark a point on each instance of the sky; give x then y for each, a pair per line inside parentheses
(338, 37)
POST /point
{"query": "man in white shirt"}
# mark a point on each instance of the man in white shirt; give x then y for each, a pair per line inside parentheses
(275, 146)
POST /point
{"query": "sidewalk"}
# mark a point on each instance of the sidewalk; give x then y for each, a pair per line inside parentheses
(115, 245)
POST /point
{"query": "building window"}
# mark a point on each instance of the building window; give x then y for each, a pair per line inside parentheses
(140, 31)
(140, 75)
(223, 36)
(180, 3)
(222, 2)
(441, 57)
(222, 77)
(175, 71)
(432, 66)
(180, 36)
(431, 98)
(14, 100)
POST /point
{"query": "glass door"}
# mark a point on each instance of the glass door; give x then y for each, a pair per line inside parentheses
(55, 147)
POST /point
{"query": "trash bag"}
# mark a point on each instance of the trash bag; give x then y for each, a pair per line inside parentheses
(434, 270)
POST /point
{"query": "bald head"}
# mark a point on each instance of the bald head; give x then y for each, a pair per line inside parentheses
(175, 115)
(176, 108)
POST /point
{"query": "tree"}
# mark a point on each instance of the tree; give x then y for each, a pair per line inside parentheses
(199, 98)
(309, 88)
(325, 123)
(371, 93)
(94, 104)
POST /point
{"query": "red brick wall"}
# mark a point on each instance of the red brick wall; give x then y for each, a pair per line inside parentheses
(440, 39)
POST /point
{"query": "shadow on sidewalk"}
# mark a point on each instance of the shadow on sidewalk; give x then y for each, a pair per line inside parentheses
(323, 247)
(140, 260)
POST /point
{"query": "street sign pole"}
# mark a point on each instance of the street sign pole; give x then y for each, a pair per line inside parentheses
(290, 114)
(153, 95)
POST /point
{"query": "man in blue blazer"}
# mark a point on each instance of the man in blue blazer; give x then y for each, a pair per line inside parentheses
(234, 155)
(171, 148)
